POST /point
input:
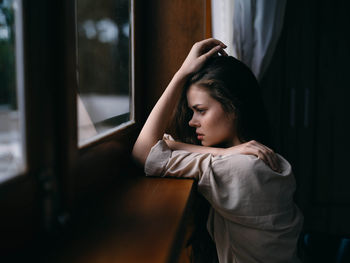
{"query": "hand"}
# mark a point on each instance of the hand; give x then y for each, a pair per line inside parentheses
(259, 150)
(199, 53)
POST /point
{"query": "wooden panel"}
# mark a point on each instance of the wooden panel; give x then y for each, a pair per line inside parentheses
(208, 31)
(20, 214)
(136, 223)
(172, 28)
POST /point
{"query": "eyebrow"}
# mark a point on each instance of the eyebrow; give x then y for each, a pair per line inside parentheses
(196, 105)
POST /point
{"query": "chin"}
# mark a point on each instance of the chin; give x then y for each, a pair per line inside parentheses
(206, 144)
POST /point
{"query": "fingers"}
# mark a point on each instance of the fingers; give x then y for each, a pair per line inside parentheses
(211, 42)
(223, 52)
(199, 53)
(270, 159)
(273, 160)
(214, 51)
(266, 154)
(210, 47)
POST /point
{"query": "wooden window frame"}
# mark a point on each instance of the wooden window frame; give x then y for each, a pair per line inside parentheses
(45, 192)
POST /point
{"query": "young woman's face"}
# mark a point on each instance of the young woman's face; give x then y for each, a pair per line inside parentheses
(213, 125)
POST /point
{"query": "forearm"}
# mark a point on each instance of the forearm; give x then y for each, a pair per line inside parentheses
(173, 145)
(248, 148)
(158, 120)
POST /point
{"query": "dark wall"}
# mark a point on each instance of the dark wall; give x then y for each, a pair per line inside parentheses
(306, 92)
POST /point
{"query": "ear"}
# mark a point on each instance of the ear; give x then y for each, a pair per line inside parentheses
(232, 116)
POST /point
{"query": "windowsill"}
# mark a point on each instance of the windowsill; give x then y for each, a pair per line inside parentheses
(125, 134)
(145, 222)
(97, 138)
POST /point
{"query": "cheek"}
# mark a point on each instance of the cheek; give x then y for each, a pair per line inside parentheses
(220, 120)
(221, 125)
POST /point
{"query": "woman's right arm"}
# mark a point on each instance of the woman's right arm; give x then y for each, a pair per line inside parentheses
(248, 148)
(160, 116)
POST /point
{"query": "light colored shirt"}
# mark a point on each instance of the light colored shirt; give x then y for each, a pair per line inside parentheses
(253, 217)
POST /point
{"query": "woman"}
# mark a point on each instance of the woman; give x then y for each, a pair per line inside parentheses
(249, 187)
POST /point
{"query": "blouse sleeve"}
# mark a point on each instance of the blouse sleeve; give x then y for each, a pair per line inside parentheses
(162, 161)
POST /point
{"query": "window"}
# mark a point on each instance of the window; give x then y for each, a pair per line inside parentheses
(105, 79)
(12, 157)
(56, 45)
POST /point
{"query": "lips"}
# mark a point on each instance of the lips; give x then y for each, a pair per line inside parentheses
(200, 136)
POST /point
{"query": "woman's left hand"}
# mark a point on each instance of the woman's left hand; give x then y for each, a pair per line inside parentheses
(199, 53)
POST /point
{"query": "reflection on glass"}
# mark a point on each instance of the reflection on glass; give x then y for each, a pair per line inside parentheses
(104, 57)
(11, 139)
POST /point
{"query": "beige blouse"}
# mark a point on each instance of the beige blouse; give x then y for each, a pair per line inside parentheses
(253, 217)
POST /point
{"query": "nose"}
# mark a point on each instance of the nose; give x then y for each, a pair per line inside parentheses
(194, 121)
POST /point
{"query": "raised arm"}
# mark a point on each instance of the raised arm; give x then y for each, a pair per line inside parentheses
(158, 120)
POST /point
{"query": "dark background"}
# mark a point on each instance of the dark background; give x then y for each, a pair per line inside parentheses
(306, 92)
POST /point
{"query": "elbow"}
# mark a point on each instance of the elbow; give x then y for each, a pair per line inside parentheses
(140, 153)
(142, 148)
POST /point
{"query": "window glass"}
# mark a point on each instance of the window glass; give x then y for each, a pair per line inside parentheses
(104, 67)
(11, 90)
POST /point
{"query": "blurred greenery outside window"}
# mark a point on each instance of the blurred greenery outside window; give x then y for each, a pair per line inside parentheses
(11, 92)
(105, 99)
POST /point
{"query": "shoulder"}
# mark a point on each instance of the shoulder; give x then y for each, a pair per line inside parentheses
(234, 162)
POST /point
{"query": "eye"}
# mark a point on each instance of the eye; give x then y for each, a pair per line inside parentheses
(201, 111)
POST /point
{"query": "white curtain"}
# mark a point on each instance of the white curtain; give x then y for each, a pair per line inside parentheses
(250, 29)
(222, 22)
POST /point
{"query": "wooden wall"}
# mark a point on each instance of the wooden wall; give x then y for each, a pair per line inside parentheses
(170, 30)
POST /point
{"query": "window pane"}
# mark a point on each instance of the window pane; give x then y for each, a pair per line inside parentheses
(104, 66)
(11, 91)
